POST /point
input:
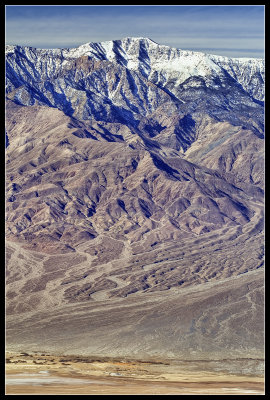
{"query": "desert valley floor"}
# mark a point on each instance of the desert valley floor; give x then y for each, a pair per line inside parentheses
(46, 374)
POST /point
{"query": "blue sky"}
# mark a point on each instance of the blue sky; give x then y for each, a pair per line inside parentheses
(234, 31)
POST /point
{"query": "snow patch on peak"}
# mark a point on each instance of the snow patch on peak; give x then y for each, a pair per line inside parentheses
(10, 48)
(137, 38)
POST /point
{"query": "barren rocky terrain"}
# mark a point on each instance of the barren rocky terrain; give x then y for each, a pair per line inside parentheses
(135, 204)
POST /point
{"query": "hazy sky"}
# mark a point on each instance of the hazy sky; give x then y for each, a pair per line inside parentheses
(234, 31)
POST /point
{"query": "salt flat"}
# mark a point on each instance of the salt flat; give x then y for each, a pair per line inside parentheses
(48, 374)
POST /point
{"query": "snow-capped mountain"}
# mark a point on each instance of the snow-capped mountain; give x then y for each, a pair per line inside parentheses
(159, 63)
(135, 169)
(138, 82)
(168, 102)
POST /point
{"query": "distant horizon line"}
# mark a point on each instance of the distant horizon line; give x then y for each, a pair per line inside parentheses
(205, 50)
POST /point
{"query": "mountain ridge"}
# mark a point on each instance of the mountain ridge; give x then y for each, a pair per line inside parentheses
(10, 48)
(111, 49)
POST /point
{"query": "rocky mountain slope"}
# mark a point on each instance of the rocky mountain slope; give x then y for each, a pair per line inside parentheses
(134, 170)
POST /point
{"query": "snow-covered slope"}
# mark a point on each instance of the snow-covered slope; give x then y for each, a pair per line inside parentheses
(159, 63)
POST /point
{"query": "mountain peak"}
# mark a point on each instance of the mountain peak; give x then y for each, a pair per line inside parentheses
(155, 62)
(140, 38)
